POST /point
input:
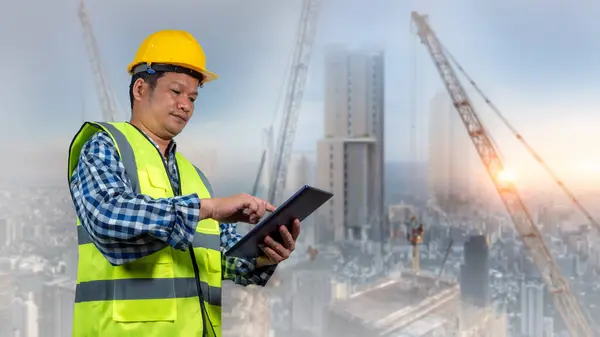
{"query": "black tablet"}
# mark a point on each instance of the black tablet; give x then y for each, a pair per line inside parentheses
(299, 206)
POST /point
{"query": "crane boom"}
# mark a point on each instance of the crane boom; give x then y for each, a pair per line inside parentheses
(108, 104)
(293, 99)
(564, 300)
(263, 158)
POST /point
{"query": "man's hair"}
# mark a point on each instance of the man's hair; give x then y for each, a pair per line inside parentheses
(151, 79)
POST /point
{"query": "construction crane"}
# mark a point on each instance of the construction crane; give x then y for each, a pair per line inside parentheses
(108, 104)
(294, 92)
(261, 165)
(414, 235)
(293, 99)
(312, 253)
(565, 302)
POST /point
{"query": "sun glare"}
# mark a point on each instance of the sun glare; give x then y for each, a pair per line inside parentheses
(507, 176)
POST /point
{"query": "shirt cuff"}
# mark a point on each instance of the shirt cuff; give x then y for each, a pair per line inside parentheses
(187, 216)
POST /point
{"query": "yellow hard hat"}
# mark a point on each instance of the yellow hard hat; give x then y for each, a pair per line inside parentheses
(171, 50)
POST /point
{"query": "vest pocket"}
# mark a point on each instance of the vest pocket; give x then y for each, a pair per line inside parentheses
(213, 261)
(144, 290)
(154, 182)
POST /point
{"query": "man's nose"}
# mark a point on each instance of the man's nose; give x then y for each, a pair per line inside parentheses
(185, 104)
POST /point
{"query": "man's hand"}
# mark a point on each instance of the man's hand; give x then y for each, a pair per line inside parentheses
(237, 208)
(276, 252)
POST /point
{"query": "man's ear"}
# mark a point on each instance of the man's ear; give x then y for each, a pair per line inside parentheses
(140, 89)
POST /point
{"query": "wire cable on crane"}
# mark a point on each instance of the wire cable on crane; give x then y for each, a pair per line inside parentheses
(282, 87)
(413, 109)
(528, 147)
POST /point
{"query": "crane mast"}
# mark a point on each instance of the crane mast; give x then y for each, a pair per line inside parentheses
(564, 300)
(293, 99)
(108, 104)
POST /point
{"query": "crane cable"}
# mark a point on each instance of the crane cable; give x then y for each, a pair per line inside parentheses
(522, 140)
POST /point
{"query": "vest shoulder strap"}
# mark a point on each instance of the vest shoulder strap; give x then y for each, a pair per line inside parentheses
(185, 164)
(205, 181)
(126, 153)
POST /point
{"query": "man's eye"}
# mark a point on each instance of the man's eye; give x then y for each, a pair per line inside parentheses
(177, 92)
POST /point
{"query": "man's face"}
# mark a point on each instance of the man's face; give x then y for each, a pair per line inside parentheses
(170, 106)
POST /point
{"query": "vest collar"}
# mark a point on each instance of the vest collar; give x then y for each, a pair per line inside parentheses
(171, 148)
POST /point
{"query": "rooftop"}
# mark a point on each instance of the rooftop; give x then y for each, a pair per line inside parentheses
(420, 327)
(396, 302)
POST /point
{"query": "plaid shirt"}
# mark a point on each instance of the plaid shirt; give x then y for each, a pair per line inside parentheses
(126, 226)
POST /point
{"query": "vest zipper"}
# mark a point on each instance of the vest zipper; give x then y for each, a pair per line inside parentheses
(203, 311)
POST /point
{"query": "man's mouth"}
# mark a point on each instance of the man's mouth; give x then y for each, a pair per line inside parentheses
(182, 117)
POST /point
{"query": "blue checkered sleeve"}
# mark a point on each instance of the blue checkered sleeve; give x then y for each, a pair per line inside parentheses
(238, 270)
(126, 226)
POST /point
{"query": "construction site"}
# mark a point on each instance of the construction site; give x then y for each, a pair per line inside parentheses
(374, 261)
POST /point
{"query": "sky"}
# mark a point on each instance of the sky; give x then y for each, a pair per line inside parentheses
(536, 60)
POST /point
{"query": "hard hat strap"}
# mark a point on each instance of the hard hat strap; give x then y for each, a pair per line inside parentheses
(161, 67)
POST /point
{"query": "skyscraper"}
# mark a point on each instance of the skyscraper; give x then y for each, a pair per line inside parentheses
(6, 293)
(532, 308)
(350, 157)
(56, 307)
(474, 273)
(449, 149)
(300, 173)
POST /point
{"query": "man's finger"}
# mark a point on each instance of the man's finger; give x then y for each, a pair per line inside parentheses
(264, 260)
(277, 247)
(272, 255)
(269, 207)
(253, 219)
(261, 208)
(251, 205)
(287, 238)
(295, 229)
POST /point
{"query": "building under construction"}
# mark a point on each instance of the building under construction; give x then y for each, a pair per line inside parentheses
(412, 305)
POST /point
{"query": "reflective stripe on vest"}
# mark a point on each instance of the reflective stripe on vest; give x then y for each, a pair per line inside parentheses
(143, 291)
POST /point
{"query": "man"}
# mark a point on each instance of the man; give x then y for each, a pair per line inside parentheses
(144, 212)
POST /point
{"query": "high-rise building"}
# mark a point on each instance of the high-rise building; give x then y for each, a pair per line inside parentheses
(300, 173)
(6, 294)
(25, 317)
(548, 327)
(350, 157)
(474, 273)
(449, 149)
(532, 308)
(56, 307)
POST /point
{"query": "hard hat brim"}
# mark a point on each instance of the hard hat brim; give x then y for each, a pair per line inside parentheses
(208, 75)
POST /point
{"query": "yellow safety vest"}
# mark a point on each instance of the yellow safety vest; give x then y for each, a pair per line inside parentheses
(156, 295)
